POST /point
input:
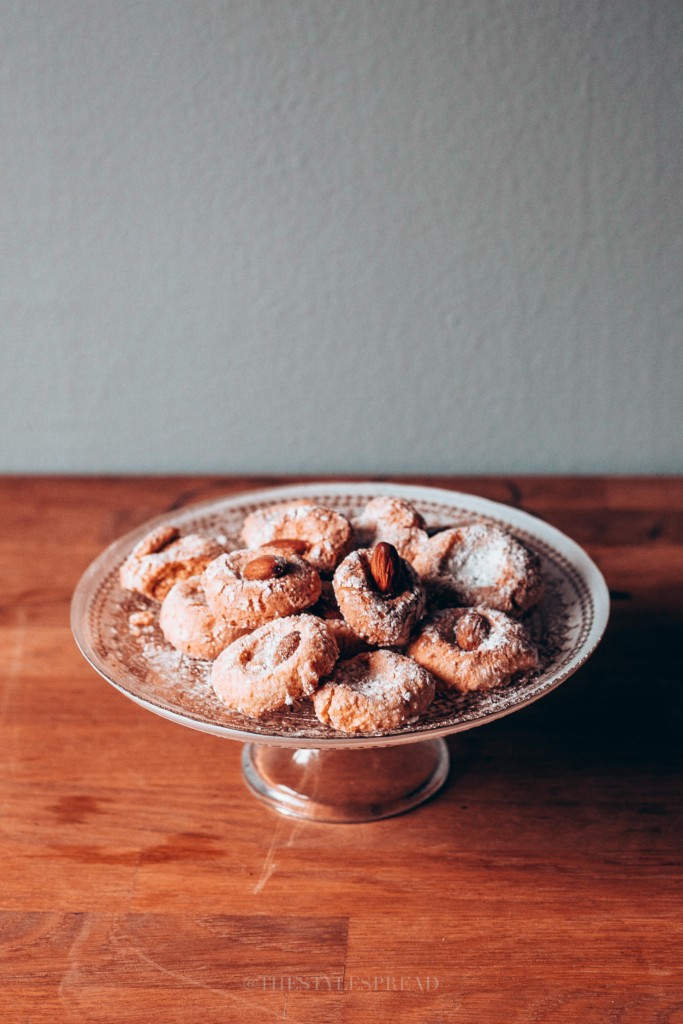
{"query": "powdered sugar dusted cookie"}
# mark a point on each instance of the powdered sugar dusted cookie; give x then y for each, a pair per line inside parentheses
(162, 558)
(473, 648)
(480, 564)
(379, 594)
(190, 626)
(393, 520)
(324, 535)
(275, 665)
(374, 692)
(253, 587)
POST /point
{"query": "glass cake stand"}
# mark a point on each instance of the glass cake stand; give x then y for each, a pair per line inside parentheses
(290, 760)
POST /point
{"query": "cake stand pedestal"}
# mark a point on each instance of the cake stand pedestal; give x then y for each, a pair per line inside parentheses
(345, 784)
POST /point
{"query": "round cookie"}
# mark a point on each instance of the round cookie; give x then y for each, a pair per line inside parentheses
(162, 558)
(275, 665)
(189, 625)
(250, 588)
(324, 535)
(469, 649)
(374, 692)
(395, 521)
(480, 564)
(379, 594)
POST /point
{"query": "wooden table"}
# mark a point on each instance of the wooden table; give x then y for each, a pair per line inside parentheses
(141, 882)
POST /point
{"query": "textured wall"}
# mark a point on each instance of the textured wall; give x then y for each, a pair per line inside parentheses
(337, 235)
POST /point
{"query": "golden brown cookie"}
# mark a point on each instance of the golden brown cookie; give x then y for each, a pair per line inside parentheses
(472, 648)
(379, 595)
(162, 558)
(393, 520)
(374, 692)
(190, 626)
(250, 588)
(275, 665)
(324, 535)
(480, 564)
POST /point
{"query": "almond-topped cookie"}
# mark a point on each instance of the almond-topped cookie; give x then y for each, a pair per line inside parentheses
(480, 564)
(379, 594)
(319, 534)
(472, 648)
(162, 558)
(374, 692)
(249, 588)
(275, 665)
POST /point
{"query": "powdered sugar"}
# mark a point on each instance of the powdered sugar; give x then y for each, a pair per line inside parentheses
(264, 650)
(381, 675)
(485, 556)
(480, 564)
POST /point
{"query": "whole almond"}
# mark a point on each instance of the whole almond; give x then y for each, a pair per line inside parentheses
(385, 566)
(471, 631)
(289, 545)
(286, 648)
(265, 567)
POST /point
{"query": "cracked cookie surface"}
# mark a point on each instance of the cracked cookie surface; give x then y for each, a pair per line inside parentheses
(374, 692)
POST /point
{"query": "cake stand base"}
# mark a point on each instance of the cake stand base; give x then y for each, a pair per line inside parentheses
(345, 785)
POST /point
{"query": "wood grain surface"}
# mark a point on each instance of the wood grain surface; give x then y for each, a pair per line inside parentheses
(141, 882)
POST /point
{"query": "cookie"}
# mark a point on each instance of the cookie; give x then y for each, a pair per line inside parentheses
(189, 625)
(162, 558)
(275, 665)
(480, 564)
(469, 649)
(374, 692)
(322, 536)
(250, 588)
(393, 520)
(379, 594)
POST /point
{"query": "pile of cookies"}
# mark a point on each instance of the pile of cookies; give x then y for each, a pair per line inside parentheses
(368, 617)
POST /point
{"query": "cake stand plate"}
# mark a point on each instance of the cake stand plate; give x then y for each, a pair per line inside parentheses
(291, 761)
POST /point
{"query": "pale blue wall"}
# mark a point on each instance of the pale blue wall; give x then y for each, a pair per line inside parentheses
(329, 235)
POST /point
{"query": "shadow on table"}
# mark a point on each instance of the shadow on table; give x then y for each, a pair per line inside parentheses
(598, 760)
